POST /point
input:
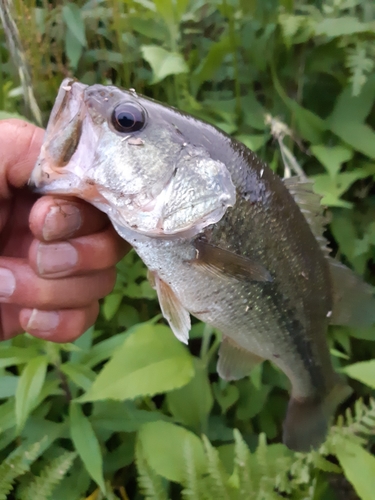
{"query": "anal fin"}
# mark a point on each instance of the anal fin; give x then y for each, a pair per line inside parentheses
(234, 361)
(224, 263)
(353, 299)
(173, 311)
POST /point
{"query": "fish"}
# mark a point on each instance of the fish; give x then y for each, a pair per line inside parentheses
(224, 238)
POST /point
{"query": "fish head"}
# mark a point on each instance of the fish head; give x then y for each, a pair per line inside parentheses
(124, 154)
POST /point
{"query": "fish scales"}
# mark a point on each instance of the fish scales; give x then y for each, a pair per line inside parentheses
(221, 234)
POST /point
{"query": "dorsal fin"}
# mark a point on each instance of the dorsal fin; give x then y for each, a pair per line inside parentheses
(309, 203)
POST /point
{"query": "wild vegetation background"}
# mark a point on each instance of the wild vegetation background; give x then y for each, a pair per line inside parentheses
(127, 411)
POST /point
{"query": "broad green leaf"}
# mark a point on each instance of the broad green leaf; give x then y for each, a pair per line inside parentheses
(73, 49)
(8, 386)
(121, 416)
(211, 63)
(15, 355)
(162, 444)
(353, 108)
(333, 189)
(227, 396)
(80, 374)
(150, 361)
(192, 403)
(86, 443)
(254, 142)
(363, 371)
(361, 137)
(73, 19)
(4, 115)
(332, 158)
(359, 467)
(111, 304)
(29, 386)
(163, 63)
(340, 26)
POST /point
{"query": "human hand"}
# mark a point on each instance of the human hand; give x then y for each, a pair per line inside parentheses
(57, 254)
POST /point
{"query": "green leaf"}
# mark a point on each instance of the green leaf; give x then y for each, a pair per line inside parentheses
(73, 49)
(253, 142)
(4, 115)
(359, 467)
(29, 387)
(341, 26)
(162, 443)
(192, 403)
(150, 361)
(121, 416)
(332, 158)
(363, 371)
(111, 304)
(333, 189)
(86, 443)
(8, 386)
(163, 63)
(74, 22)
(81, 375)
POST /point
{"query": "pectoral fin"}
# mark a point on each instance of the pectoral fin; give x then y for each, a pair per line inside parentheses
(234, 361)
(353, 299)
(173, 311)
(224, 263)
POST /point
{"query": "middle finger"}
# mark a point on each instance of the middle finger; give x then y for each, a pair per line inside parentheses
(31, 291)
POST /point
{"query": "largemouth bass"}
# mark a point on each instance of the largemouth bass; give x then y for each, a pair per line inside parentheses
(223, 237)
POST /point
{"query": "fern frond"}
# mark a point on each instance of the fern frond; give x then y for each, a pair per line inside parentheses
(150, 484)
(15, 465)
(42, 486)
(357, 424)
(217, 477)
(360, 64)
(192, 483)
(242, 465)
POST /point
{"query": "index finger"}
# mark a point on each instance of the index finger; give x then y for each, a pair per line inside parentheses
(20, 143)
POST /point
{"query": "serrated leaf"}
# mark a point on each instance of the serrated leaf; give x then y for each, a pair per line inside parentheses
(340, 26)
(162, 443)
(150, 361)
(86, 443)
(29, 386)
(363, 371)
(163, 63)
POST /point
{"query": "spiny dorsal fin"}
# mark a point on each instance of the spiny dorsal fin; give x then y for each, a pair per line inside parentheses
(309, 203)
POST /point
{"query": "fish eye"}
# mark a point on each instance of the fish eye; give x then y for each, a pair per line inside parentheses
(128, 117)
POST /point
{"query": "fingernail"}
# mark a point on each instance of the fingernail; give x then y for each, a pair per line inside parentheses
(7, 283)
(54, 258)
(61, 222)
(43, 321)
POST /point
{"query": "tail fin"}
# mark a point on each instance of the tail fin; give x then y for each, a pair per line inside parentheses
(306, 422)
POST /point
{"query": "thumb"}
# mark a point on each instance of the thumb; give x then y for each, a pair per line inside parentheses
(20, 143)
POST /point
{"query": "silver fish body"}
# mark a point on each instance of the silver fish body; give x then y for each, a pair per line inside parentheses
(221, 234)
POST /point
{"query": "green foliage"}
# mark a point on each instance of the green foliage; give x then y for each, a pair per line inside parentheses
(145, 416)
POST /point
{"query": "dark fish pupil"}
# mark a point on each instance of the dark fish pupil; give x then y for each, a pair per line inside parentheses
(126, 120)
(128, 117)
